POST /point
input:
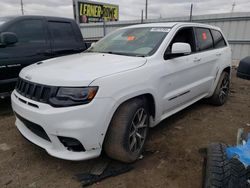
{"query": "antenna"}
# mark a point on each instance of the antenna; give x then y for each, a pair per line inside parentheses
(22, 10)
(233, 6)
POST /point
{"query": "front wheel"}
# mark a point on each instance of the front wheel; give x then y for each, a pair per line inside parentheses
(128, 131)
(221, 91)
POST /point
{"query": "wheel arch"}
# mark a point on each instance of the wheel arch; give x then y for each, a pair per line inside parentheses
(148, 97)
(228, 70)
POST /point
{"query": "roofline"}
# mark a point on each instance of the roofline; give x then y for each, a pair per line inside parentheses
(37, 16)
(174, 24)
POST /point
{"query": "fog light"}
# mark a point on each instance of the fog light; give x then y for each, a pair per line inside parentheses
(71, 144)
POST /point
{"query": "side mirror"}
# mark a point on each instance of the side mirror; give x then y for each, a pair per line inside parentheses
(8, 38)
(180, 48)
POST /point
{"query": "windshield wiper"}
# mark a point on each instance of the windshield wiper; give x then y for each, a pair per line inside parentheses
(117, 53)
(123, 53)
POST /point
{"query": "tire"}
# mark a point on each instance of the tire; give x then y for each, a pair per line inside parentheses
(221, 92)
(238, 174)
(123, 141)
(217, 167)
(222, 172)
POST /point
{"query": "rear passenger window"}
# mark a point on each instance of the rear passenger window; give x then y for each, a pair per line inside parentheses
(29, 31)
(61, 31)
(204, 39)
(219, 41)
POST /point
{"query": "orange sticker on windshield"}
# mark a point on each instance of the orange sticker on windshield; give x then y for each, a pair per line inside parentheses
(131, 38)
(204, 36)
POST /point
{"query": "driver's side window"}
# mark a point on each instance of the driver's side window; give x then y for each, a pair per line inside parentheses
(185, 35)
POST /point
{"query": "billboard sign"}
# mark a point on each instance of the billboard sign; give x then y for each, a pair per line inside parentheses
(92, 12)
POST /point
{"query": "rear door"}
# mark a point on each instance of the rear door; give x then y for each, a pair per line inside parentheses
(32, 46)
(207, 58)
(63, 37)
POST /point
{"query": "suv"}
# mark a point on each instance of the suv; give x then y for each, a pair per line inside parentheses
(28, 39)
(108, 96)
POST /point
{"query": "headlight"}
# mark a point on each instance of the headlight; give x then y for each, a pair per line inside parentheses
(67, 96)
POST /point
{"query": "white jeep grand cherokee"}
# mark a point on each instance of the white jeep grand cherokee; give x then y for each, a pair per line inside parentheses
(109, 96)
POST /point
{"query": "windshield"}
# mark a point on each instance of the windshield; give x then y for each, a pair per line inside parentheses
(133, 41)
(4, 19)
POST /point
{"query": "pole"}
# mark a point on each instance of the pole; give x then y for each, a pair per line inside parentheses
(191, 13)
(104, 28)
(233, 6)
(142, 16)
(22, 10)
(74, 9)
(146, 10)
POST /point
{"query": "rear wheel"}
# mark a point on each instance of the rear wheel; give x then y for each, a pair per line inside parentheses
(128, 131)
(221, 91)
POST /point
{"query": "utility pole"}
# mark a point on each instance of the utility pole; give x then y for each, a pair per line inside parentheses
(191, 13)
(146, 10)
(22, 7)
(233, 6)
(142, 16)
(74, 9)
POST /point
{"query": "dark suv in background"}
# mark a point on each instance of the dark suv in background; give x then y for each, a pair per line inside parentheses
(29, 39)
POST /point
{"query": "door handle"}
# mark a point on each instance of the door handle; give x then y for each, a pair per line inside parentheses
(218, 54)
(197, 59)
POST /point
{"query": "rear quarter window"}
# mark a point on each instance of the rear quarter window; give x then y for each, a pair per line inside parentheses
(219, 41)
(204, 39)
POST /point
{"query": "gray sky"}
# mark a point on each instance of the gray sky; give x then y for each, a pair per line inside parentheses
(129, 9)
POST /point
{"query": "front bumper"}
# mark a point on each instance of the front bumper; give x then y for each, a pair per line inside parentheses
(86, 123)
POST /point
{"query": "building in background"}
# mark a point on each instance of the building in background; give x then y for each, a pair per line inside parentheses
(94, 12)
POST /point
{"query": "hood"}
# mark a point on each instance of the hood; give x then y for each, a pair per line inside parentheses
(79, 69)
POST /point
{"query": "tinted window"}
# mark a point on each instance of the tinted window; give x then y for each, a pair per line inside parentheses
(132, 41)
(29, 31)
(218, 39)
(4, 20)
(61, 31)
(204, 39)
(185, 35)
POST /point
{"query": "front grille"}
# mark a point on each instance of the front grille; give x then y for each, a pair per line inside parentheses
(36, 129)
(36, 92)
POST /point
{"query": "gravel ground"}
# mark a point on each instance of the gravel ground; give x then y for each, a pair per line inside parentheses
(175, 142)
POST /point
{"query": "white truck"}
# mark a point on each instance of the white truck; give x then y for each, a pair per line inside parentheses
(108, 96)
